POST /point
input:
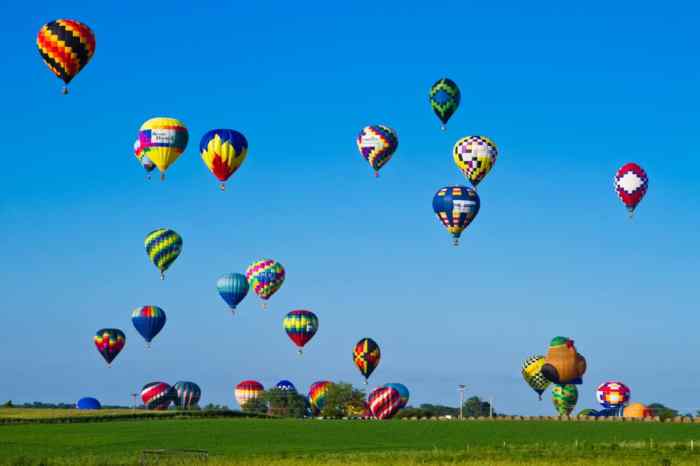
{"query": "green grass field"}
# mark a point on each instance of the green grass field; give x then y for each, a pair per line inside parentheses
(320, 442)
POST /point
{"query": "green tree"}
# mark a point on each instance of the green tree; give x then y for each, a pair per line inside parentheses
(256, 405)
(476, 407)
(438, 410)
(8, 404)
(664, 412)
(285, 403)
(343, 400)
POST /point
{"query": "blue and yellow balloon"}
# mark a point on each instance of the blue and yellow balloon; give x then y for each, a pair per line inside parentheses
(456, 207)
(163, 246)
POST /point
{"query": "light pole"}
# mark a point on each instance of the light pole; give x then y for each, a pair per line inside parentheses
(461, 389)
(134, 396)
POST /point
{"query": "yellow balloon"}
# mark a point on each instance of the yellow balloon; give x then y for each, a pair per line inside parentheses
(163, 140)
(475, 156)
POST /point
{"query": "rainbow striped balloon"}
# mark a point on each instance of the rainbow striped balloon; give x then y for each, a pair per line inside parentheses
(248, 390)
(109, 342)
(317, 396)
(265, 277)
(301, 325)
(163, 246)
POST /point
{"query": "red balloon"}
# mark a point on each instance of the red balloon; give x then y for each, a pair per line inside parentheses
(631, 183)
(384, 402)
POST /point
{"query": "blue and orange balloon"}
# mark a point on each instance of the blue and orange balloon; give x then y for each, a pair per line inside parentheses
(232, 287)
(223, 151)
(148, 321)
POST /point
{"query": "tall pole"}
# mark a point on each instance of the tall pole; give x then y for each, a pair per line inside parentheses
(491, 407)
(461, 389)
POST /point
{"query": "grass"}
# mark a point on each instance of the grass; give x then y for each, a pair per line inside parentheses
(315, 442)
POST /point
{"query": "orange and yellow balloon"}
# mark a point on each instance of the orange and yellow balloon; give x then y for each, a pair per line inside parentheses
(66, 45)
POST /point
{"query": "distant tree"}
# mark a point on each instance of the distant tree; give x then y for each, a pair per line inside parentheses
(256, 405)
(476, 407)
(8, 404)
(438, 410)
(213, 407)
(284, 403)
(343, 400)
(657, 409)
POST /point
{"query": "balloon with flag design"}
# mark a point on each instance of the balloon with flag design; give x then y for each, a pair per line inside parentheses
(366, 356)
(377, 144)
(456, 207)
(223, 151)
(163, 246)
(148, 321)
(186, 394)
(631, 184)
(532, 373)
(109, 343)
(157, 395)
(164, 139)
(384, 402)
(317, 396)
(265, 277)
(248, 390)
(301, 325)
(232, 288)
(475, 156)
(66, 45)
(444, 99)
(403, 392)
(564, 398)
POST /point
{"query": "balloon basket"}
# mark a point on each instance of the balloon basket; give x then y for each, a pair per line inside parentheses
(264, 305)
(233, 312)
(630, 214)
(455, 241)
(443, 127)
(366, 382)
(222, 187)
(301, 352)
(376, 174)
(64, 91)
(162, 177)
(162, 276)
(148, 177)
(148, 344)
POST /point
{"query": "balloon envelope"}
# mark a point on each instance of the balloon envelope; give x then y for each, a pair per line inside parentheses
(532, 374)
(148, 321)
(564, 398)
(377, 144)
(223, 151)
(384, 402)
(88, 403)
(613, 394)
(163, 140)
(301, 325)
(444, 99)
(232, 288)
(475, 156)
(403, 392)
(186, 394)
(631, 184)
(66, 45)
(157, 395)
(286, 385)
(265, 277)
(109, 343)
(248, 390)
(163, 246)
(366, 356)
(456, 207)
(317, 396)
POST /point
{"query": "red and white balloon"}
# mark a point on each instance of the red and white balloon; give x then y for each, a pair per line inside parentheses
(631, 183)
(384, 402)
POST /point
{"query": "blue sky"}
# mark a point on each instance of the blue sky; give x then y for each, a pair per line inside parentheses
(569, 93)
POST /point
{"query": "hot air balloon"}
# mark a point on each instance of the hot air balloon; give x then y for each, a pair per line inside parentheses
(66, 45)
(148, 321)
(631, 183)
(186, 394)
(286, 385)
(366, 356)
(444, 99)
(164, 139)
(265, 277)
(377, 145)
(163, 246)
(248, 390)
(613, 395)
(563, 364)
(384, 402)
(533, 376)
(232, 287)
(157, 395)
(317, 396)
(637, 410)
(88, 403)
(456, 207)
(109, 342)
(475, 156)
(403, 392)
(143, 160)
(301, 326)
(564, 398)
(223, 151)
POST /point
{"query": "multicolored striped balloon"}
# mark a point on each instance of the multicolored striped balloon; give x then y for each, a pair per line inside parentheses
(163, 246)
(232, 288)
(265, 277)
(631, 184)
(157, 395)
(109, 343)
(366, 356)
(317, 396)
(248, 390)
(475, 156)
(223, 151)
(301, 326)
(66, 45)
(384, 402)
(444, 99)
(456, 207)
(532, 373)
(564, 398)
(403, 392)
(163, 140)
(148, 321)
(377, 144)
(186, 394)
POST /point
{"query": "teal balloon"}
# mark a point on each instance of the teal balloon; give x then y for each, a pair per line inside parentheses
(232, 287)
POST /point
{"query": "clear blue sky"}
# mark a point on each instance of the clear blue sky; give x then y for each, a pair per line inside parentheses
(569, 93)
